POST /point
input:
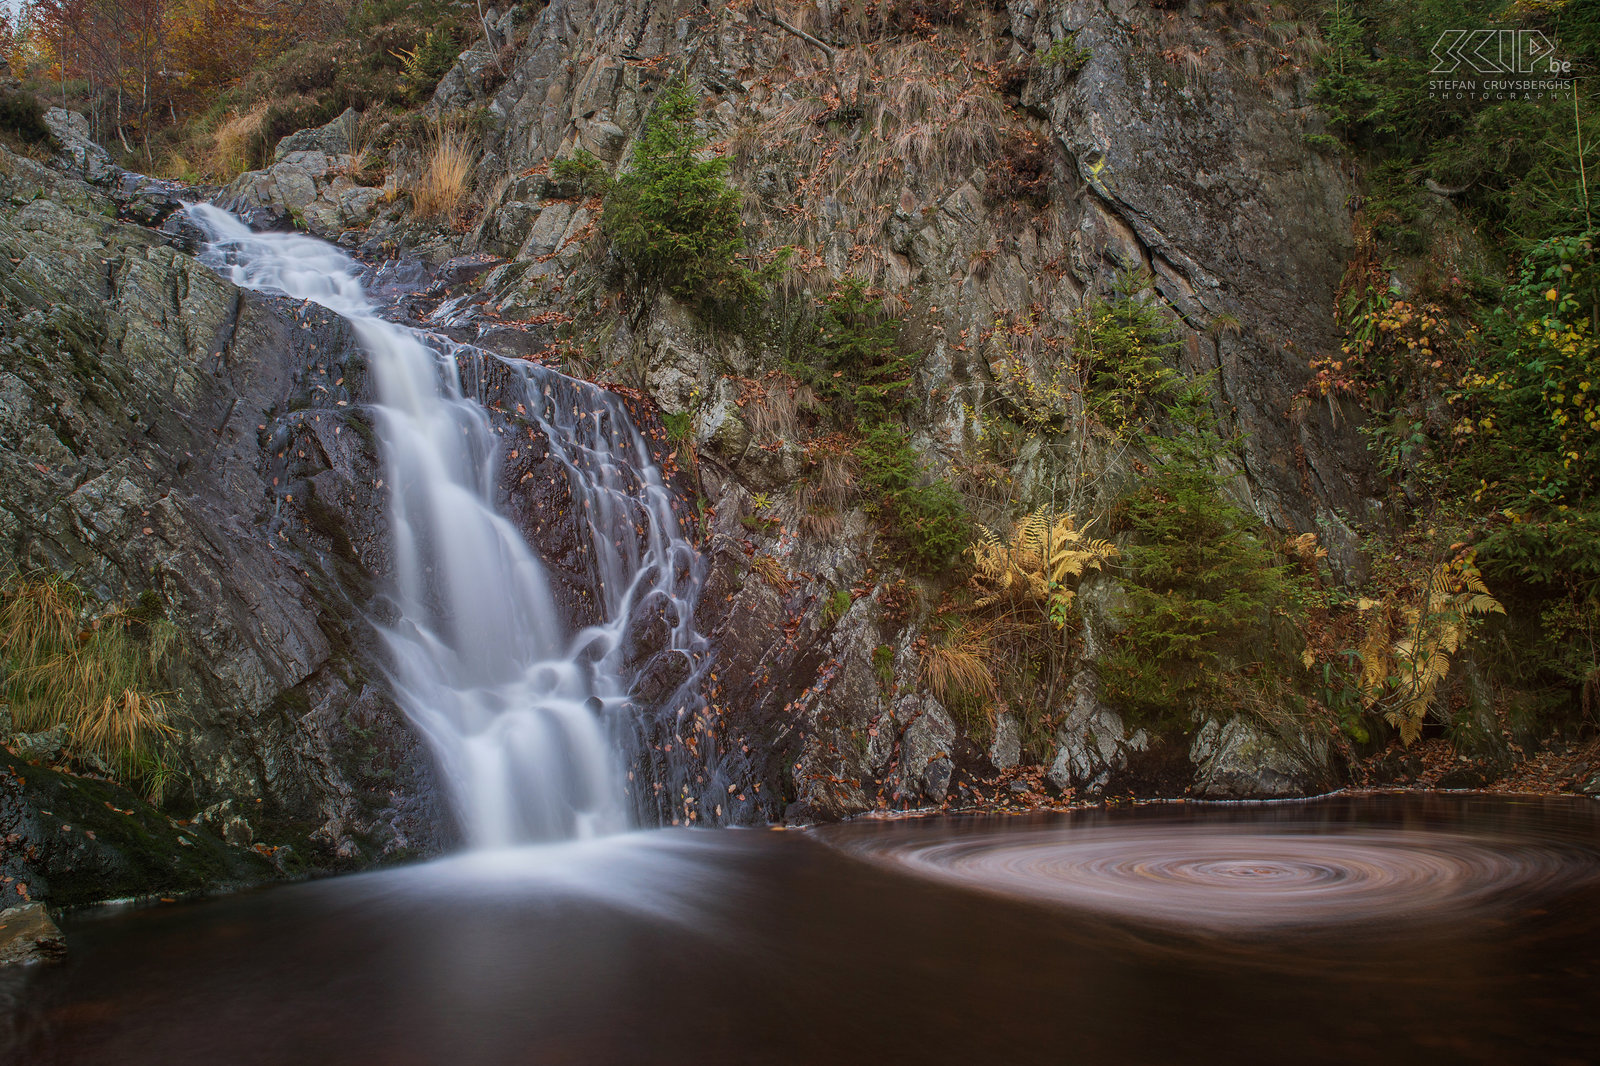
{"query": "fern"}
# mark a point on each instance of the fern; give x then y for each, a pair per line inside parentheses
(1045, 550)
(1408, 646)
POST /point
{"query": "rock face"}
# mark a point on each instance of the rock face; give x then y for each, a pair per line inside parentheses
(28, 935)
(78, 151)
(1242, 760)
(1198, 178)
(163, 433)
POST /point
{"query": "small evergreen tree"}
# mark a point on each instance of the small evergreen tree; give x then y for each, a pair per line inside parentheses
(673, 217)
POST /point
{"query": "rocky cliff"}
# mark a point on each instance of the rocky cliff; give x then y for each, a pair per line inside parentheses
(165, 433)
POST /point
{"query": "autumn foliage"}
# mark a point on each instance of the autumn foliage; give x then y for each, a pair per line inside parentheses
(136, 65)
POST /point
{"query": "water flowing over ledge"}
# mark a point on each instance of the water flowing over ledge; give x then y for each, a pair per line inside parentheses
(537, 722)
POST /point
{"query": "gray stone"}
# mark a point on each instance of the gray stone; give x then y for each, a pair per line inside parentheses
(332, 139)
(926, 747)
(1092, 742)
(44, 747)
(27, 935)
(78, 149)
(1243, 760)
(1005, 749)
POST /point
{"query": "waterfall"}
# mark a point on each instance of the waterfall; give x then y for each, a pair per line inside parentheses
(535, 722)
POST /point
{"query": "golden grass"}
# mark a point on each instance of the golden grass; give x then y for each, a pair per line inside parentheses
(233, 141)
(96, 675)
(772, 571)
(446, 175)
(887, 124)
(959, 667)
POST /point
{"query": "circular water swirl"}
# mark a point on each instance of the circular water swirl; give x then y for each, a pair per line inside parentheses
(1233, 879)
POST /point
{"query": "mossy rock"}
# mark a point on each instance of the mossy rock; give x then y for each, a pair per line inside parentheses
(71, 841)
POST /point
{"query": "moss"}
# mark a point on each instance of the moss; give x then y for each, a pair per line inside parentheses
(883, 665)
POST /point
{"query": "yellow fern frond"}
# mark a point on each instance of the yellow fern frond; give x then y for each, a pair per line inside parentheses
(1483, 603)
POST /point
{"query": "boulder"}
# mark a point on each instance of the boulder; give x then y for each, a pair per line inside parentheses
(1092, 743)
(28, 935)
(79, 152)
(332, 139)
(1244, 760)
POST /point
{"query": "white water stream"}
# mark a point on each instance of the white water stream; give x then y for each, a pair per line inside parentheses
(529, 719)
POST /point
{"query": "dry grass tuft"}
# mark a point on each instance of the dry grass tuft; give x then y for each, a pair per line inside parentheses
(97, 675)
(885, 119)
(772, 407)
(234, 141)
(958, 668)
(772, 571)
(446, 173)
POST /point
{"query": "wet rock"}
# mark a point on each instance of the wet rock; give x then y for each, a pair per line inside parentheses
(71, 841)
(28, 935)
(225, 820)
(1242, 760)
(661, 678)
(649, 629)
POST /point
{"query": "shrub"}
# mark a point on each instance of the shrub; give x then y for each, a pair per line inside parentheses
(22, 117)
(1029, 572)
(863, 367)
(1120, 346)
(446, 173)
(859, 368)
(95, 674)
(672, 217)
(583, 174)
(927, 520)
(422, 65)
(1201, 587)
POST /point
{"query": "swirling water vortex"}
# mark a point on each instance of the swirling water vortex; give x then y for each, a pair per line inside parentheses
(1240, 878)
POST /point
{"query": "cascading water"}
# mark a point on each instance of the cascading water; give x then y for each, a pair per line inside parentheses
(532, 723)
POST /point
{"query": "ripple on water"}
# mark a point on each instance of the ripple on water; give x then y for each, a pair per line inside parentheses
(1231, 879)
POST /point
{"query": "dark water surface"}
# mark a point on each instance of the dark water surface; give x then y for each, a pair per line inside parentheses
(1410, 929)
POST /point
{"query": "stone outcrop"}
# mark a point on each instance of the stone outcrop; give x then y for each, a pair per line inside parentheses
(1245, 760)
(28, 935)
(164, 434)
(1199, 178)
(310, 184)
